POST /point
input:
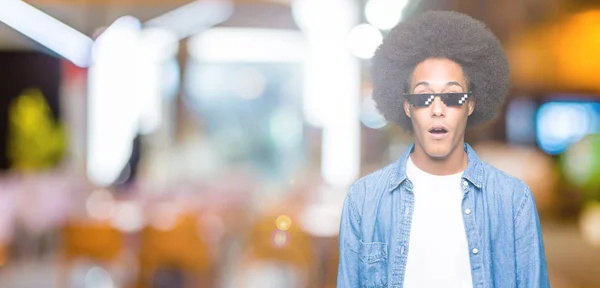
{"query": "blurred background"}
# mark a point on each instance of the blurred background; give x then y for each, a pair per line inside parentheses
(210, 143)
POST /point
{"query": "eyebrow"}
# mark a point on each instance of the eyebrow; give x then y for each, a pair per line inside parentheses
(425, 83)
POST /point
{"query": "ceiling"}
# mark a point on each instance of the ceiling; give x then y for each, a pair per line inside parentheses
(88, 16)
(504, 17)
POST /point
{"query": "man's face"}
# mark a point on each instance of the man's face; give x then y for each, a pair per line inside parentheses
(438, 128)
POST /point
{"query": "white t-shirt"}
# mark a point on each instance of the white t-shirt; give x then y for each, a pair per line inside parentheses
(438, 252)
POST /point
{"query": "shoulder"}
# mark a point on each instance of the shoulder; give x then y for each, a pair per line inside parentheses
(371, 186)
(507, 186)
(502, 178)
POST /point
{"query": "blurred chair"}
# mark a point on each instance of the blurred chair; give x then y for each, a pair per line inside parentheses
(175, 255)
(94, 241)
(4, 255)
(275, 257)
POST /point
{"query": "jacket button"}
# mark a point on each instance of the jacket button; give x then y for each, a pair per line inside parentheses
(475, 251)
(467, 211)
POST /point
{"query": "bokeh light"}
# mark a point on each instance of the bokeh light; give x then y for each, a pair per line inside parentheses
(559, 124)
(100, 204)
(128, 217)
(280, 239)
(363, 40)
(581, 164)
(384, 14)
(98, 278)
(283, 222)
(590, 223)
(370, 116)
(165, 216)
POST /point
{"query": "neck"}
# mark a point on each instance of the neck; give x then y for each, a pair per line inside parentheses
(453, 163)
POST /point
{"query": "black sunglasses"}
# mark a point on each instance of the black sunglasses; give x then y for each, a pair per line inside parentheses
(450, 99)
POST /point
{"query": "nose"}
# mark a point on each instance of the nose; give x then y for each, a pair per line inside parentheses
(438, 108)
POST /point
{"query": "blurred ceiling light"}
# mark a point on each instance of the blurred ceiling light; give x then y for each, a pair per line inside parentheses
(112, 118)
(191, 18)
(46, 30)
(124, 176)
(317, 16)
(170, 79)
(247, 45)
(331, 82)
(325, 25)
(158, 43)
(125, 86)
(122, 27)
(363, 40)
(384, 14)
(156, 47)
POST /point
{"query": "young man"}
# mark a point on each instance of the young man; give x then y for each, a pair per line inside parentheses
(439, 216)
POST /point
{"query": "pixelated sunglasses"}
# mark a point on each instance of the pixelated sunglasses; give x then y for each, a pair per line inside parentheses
(450, 99)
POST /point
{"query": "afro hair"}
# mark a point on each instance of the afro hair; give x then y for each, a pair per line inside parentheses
(440, 34)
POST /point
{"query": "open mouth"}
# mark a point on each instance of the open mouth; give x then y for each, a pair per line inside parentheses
(438, 131)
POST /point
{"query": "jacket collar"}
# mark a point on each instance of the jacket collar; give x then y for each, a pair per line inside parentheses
(473, 173)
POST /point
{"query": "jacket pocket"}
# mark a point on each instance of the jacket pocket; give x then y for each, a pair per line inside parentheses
(373, 261)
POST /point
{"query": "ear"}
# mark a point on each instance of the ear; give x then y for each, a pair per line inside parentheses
(471, 107)
(407, 108)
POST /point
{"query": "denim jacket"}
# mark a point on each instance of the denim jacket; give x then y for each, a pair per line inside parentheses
(500, 219)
